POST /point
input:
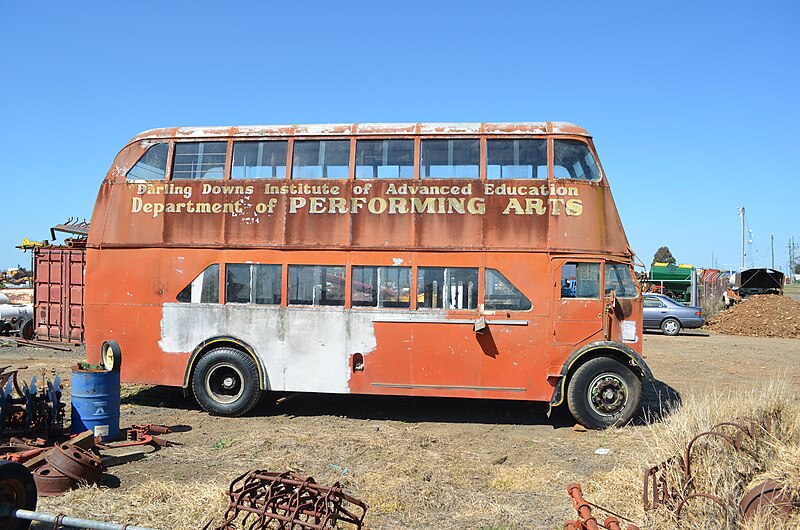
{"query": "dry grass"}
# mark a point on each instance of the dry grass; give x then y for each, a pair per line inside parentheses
(717, 468)
(152, 504)
(412, 476)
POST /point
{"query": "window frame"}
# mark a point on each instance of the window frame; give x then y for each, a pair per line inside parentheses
(290, 170)
(548, 158)
(253, 270)
(415, 146)
(480, 138)
(600, 279)
(225, 168)
(258, 140)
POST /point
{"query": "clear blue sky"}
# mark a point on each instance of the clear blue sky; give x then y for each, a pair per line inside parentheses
(693, 105)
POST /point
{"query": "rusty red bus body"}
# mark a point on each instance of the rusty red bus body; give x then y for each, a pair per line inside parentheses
(154, 232)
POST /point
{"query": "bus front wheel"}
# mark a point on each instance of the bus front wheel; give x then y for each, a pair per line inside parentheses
(603, 392)
(225, 382)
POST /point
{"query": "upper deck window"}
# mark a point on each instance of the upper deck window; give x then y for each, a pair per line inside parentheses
(152, 166)
(199, 160)
(574, 160)
(389, 159)
(259, 160)
(444, 159)
(516, 159)
(323, 159)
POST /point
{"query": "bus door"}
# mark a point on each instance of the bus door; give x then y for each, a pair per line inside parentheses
(579, 308)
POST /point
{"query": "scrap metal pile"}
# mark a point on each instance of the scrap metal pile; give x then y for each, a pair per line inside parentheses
(27, 410)
(586, 520)
(674, 485)
(664, 487)
(32, 433)
(261, 500)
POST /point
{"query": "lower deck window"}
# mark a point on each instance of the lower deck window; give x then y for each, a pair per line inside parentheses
(580, 280)
(252, 284)
(502, 295)
(619, 277)
(204, 289)
(381, 287)
(316, 285)
(447, 288)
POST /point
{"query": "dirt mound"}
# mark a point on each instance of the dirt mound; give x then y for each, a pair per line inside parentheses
(767, 315)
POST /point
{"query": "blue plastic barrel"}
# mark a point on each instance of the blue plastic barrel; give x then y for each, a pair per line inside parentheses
(95, 402)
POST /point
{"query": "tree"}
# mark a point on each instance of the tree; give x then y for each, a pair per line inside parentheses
(663, 255)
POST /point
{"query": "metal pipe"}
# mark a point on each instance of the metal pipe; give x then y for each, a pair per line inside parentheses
(62, 520)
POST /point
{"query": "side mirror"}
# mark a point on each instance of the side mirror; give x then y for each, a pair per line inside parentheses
(480, 325)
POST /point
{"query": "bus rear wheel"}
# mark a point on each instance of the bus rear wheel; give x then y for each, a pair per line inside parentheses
(225, 382)
(603, 392)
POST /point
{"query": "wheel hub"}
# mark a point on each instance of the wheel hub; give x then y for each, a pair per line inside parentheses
(607, 394)
(224, 382)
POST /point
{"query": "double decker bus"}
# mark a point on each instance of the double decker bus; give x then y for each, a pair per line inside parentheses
(451, 260)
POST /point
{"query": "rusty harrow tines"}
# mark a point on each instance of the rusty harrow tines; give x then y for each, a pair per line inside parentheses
(587, 521)
(657, 491)
(29, 409)
(287, 501)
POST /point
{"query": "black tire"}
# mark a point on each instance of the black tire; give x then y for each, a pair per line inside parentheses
(603, 392)
(27, 330)
(18, 490)
(225, 382)
(670, 326)
(111, 356)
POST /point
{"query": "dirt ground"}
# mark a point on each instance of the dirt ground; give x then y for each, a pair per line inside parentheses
(418, 463)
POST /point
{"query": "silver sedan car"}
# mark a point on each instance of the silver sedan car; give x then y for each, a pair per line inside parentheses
(663, 312)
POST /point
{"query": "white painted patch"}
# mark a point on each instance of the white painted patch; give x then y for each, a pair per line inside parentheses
(397, 261)
(303, 349)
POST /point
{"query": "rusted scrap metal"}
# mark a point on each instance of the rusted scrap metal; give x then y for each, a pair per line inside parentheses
(34, 343)
(287, 501)
(72, 226)
(143, 435)
(50, 482)
(77, 463)
(586, 520)
(659, 490)
(770, 498)
(67, 466)
(28, 409)
(9, 373)
(16, 453)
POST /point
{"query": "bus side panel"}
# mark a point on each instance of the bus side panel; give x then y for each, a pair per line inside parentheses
(121, 287)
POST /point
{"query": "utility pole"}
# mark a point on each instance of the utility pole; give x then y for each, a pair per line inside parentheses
(772, 247)
(741, 261)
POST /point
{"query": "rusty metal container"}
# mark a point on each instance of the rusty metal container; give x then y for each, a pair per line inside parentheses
(95, 402)
(58, 293)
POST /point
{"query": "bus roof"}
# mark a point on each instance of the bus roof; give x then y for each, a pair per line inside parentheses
(367, 129)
